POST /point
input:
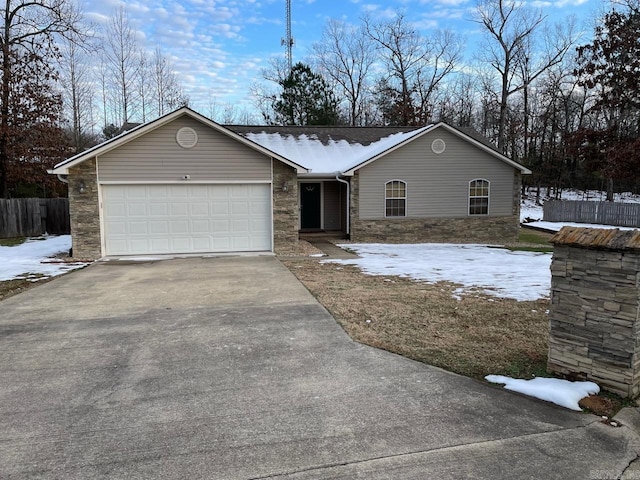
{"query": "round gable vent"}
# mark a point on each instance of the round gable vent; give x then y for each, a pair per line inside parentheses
(187, 137)
(438, 146)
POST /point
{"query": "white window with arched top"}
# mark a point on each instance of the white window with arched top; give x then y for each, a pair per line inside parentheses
(479, 197)
(395, 197)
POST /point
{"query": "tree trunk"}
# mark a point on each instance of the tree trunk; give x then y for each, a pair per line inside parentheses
(504, 98)
(4, 108)
(609, 189)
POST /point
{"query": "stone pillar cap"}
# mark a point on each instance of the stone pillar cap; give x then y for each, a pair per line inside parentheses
(601, 238)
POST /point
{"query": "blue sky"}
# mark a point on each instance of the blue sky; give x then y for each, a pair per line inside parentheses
(220, 47)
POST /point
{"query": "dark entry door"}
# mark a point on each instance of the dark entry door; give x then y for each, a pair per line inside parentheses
(310, 205)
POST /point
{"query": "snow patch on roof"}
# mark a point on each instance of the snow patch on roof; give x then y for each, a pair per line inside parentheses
(334, 156)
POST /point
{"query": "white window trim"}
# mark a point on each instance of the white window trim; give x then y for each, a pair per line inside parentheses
(488, 197)
(406, 195)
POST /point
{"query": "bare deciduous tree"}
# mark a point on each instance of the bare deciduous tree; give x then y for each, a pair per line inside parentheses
(518, 48)
(167, 91)
(345, 55)
(78, 91)
(416, 66)
(122, 54)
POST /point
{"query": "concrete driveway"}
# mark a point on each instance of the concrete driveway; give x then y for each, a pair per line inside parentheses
(227, 368)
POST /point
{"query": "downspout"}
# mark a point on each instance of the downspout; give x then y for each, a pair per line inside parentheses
(348, 232)
(63, 180)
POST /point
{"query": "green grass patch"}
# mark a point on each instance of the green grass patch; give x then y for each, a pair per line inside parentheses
(528, 367)
(531, 236)
(11, 242)
(531, 249)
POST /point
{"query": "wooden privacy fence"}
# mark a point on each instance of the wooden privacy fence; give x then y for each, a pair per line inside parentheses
(25, 217)
(605, 213)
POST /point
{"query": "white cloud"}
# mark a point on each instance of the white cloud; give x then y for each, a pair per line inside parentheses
(425, 24)
(540, 4)
(453, 3)
(570, 3)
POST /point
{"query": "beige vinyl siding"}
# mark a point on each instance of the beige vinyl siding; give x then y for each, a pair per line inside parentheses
(437, 185)
(156, 157)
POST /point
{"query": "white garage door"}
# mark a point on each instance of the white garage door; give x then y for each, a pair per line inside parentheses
(159, 219)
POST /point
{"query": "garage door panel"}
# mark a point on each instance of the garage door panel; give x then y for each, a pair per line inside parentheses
(179, 227)
(139, 228)
(135, 194)
(156, 219)
(181, 244)
(136, 209)
(240, 191)
(179, 208)
(159, 245)
(200, 226)
(202, 243)
(240, 243)
(118, 228)
(158, 209)
(138, 244)
(240, 207)
(118, 209)
(176, 192)
(220, 208)
(200, 209)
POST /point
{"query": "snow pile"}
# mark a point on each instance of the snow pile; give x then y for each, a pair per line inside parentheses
(31, 259)
(495, 271)
(333, 157)
(309, 151)
(561, 392)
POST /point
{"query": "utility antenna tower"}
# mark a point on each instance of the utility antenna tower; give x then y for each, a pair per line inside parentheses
(288, 40)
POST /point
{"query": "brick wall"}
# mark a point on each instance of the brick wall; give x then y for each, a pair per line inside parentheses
(595, 308)
(481, 229)
(83, 211)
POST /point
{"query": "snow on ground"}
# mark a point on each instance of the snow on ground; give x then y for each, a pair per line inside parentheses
(561, 392)
(495, 271)
(33, 260)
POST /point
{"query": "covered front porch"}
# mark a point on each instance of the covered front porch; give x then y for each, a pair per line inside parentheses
(323, 207)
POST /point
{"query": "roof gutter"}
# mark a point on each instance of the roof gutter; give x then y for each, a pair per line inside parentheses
(348, 223)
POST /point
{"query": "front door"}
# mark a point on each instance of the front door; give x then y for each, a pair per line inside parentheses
(310, 199)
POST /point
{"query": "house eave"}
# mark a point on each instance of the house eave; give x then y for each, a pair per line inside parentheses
(431, 128)
(126, 137)
(319, 175)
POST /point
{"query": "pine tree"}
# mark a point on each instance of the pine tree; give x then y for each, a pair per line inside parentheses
(306, 99)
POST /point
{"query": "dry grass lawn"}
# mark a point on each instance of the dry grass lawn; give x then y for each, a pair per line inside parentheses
(474, 336)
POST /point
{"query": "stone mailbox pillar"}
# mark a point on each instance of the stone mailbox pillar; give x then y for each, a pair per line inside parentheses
(594, 331)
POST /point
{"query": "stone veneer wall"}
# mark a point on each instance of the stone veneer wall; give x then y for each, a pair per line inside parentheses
(594, 317)
(503, 229)
(285, 208)
(517, 187)
(83, 210)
